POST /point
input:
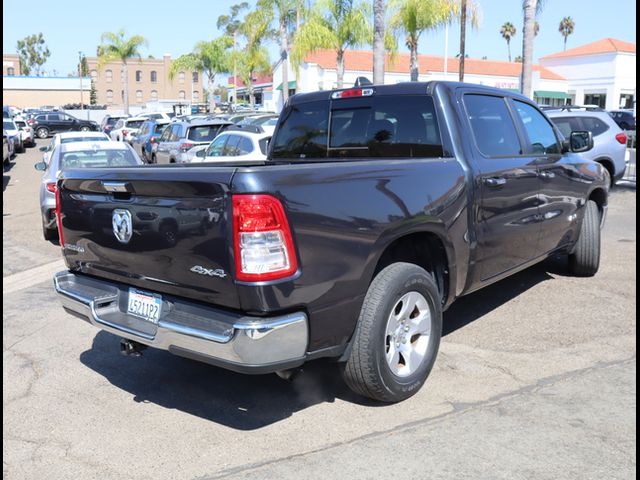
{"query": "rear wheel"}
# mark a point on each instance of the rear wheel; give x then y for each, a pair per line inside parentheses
(398, 335)
(584, 260)
(42, 132)
(84, 129)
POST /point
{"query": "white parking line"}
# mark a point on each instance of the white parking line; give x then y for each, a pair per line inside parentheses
(29, 278)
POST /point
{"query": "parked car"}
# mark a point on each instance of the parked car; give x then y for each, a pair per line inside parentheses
(237, 143)
(47, 124)
(13, 133)
(109, 121)
(71, 137)
(6, 152)
(376, 208)
(77, 155)
(157, 115)
(626, 119)
(126, 128)
(180, 137)
(609, 141)
(26, 133)
(148, 134)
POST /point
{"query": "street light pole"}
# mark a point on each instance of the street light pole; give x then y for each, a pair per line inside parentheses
(80, 75)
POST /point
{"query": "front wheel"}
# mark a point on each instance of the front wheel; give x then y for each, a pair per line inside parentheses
(398, 335)
(584, 260)
(84, 129)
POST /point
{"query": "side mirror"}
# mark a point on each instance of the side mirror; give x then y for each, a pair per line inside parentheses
(40, 166)
(201, 153)
(44, 149)
(581, 141)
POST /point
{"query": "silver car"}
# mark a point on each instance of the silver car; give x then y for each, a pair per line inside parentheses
(77, 155)
(609, 141)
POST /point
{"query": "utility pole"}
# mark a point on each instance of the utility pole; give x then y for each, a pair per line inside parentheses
(235, 73)
(80, 75)
(463, 28)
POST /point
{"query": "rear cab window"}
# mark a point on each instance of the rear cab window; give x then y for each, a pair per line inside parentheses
(400, 126)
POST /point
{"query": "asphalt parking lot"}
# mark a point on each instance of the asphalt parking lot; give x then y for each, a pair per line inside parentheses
(536, 379)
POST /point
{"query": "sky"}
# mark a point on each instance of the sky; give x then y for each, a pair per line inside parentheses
(72, 26)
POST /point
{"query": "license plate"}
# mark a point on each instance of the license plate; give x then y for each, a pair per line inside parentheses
(144, 305)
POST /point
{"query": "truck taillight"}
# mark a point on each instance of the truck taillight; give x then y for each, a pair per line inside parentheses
(262, 240)
(59, 218)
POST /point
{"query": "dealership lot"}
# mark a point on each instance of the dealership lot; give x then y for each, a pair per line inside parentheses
(535, 379)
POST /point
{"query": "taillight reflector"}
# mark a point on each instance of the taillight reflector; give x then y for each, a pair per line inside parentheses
(262, 240)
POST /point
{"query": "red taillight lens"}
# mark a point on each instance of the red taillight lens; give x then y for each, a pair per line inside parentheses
(186, 146)
(31, 121)
(125, 133)
(262, 240)
(51, 187)
(621, 138)
(59, 218)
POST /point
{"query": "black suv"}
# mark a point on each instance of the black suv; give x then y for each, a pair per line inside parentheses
(45, 124)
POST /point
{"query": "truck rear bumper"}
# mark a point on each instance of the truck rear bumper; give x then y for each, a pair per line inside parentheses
(216, 336)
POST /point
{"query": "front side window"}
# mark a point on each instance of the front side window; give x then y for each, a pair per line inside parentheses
(216, 148)
(231, 147)
(540, 132)
(492, 126)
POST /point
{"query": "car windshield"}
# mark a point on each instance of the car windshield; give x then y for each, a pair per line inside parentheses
(134, 123)
(84, 139)
(8, 125)
(97, 158)
(112, 120)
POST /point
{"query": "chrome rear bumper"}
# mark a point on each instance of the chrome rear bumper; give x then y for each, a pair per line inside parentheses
(233, 341)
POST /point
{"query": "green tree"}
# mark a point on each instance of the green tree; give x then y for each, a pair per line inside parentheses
(208, 58)
(254, 58)
(508, 31)
(93, 94)
(84, 66)
(518, 59)
(414, 17)
(566, 28)
(231, 25)
(336, 25)
(33, 54)
(117, 47)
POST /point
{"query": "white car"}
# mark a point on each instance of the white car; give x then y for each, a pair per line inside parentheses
(236, 144)
(157, 116)
(26, 132)
(13, 133)
(71, 137)
(126, 128)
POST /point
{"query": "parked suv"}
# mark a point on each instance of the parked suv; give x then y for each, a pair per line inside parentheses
(626, 119)
(180, 137)
(46, 124)
(148, 134)
(238, 143)
(109, 121)
(126, 128)
(609, 141)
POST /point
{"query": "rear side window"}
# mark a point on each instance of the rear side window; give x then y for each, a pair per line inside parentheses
(303, 133)
(231, 147)
(540, 132)
(41, 118)
(203, 133)
(595, 125)
(492, 126)
(566, 125)
(245, 147)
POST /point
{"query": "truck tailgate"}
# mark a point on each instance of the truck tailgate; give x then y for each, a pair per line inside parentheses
(160, 229)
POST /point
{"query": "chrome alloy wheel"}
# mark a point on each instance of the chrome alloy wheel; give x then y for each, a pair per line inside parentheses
(407, 334)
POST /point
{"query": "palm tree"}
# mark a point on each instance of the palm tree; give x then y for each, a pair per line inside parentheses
(208, 58)
(536, 28)
(530, 9)
(508, 31)
(413, 17)
(254, 59)
(378, 42)
(115, 46)
(566, 28)
(462, 8)
(231, 24)
(336, 25)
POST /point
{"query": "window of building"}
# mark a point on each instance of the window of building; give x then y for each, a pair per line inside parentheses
(108, 75)
(492, 126)
(154, 95)
(194, 77)
(138, 96)
(195, 96)
(138, 75)
(182, 95)
(109, 96)
(599, 99)
(94, 74)
(181, 78)
(626, 100)
(154, 76)
(540, 132)
(11, 71)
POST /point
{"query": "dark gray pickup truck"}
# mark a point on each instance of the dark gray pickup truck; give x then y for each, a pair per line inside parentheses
(376, 208)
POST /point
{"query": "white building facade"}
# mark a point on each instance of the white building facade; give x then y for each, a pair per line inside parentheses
(600, 73)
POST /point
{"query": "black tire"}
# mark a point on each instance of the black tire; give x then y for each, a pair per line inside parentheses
(153, 158)
(367, 371)
(50, 234)
(84, 129)
(584, 260)
(42, 132)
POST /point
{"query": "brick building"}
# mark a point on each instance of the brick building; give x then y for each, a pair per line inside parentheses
(148, 82)
(10, 64)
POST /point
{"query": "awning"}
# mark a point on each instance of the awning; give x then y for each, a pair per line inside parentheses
(550, 94)
(292, 85)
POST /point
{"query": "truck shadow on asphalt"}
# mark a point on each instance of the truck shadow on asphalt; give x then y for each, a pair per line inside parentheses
(249, 402)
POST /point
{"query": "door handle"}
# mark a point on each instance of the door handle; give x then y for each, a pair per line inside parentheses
(494, 181)
(546, 174)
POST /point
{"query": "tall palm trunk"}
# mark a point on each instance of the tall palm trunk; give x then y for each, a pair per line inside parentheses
(463, 37)
(527, 47)
(565, 42)
(284, 48)
(211, 91)
(509, 48)
(340, 67)
(378, 42)
(414, 67)
(125, 74)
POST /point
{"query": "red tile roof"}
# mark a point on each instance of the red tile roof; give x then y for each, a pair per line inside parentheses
(363, 61)
(259, 80)
(606, 45)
